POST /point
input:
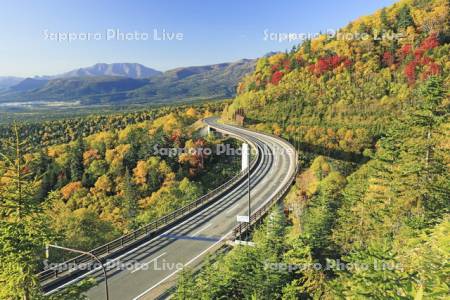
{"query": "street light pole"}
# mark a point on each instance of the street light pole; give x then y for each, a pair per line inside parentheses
(248, 175)
(86, 253)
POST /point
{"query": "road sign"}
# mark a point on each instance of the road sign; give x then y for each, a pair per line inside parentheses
(243, 219)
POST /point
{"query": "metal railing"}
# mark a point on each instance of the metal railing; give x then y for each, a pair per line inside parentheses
(241, 228)
(126, 241)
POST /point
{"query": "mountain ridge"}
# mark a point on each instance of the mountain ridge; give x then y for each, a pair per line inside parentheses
(130, 70)
(179, 84)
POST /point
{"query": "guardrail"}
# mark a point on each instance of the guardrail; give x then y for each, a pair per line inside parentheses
(241, 228)
(50, 276)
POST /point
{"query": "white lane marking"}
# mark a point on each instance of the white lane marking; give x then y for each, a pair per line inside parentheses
(189, 262)
(121, 256)
(206, 227)
(186, 264)
(150, 241)
(147, 263)
(110, 262)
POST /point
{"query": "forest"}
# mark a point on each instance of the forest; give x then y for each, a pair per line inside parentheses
(96, 178)
(368, 217)
(45, 128)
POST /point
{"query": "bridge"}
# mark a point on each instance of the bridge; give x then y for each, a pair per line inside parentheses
(144, 264)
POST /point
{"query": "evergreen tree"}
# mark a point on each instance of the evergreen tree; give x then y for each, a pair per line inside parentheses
(275, 229)
(48, 181)
(404, 18)
(76, 160)
(88, 179)
(130, 200)
(186, 286)
(307, 46)
(372, 273)
(385, 24)
(41, 162)
(319, 218)
(305, 280)
(24, 229)
(423, 172)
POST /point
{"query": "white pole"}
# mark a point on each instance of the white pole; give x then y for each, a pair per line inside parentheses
(245, 151)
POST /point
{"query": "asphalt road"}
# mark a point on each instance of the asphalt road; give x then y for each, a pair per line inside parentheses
(150, 269)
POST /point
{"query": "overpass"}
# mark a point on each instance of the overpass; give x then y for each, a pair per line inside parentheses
(145, 264)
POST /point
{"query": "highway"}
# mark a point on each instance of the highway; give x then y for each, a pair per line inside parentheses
(151, 268)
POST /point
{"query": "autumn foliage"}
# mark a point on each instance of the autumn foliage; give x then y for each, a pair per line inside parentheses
(421, 59)
(388, 58)
(276, 77)
(329, 63)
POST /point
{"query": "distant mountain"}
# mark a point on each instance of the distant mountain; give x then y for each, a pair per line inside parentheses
(8, 81)
(89, 87)
(130, 70)
(191, 83)
(28, 84)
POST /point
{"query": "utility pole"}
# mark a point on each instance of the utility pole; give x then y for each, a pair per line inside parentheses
(81, 252)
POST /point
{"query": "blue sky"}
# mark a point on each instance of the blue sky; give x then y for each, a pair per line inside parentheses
(213, 31)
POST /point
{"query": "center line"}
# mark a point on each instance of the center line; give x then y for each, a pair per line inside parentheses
(145, 264)
(202, 229)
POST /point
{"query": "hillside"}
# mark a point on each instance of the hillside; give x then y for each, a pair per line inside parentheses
(357, 84)
(182, 84)
(368, 217)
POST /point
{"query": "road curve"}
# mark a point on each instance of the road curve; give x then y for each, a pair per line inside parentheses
(150, 269)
